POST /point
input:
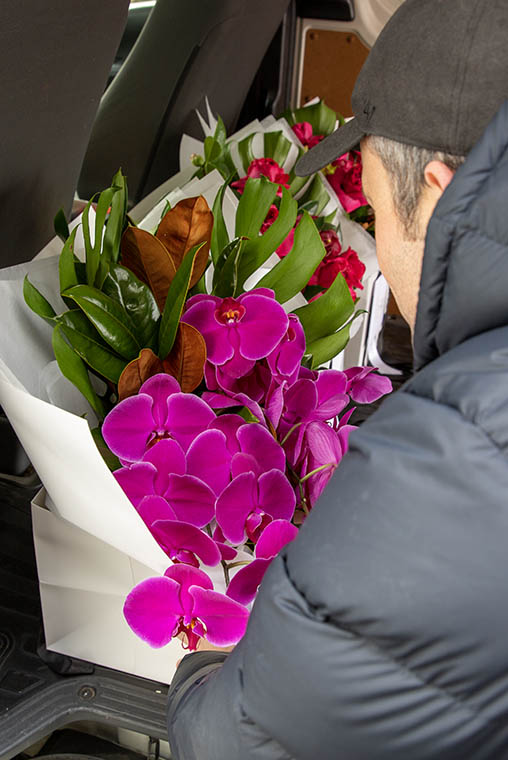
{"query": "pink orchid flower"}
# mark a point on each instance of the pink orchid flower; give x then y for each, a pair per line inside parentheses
(183, 601)
(250, 502)
(238, 331)
(364, 385)
(160, 410)
(244, 586)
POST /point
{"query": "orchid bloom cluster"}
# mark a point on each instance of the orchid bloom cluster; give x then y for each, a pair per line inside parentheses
(203, 485)
(255, 352)
(214, 486)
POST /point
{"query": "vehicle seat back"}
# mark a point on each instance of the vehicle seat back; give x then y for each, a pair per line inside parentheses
(54, 62)
(186, 51)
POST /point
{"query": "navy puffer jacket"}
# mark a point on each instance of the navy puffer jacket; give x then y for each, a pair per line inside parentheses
(381, 633)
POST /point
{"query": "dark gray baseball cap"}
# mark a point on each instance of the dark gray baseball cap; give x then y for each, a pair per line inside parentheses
(436, 75)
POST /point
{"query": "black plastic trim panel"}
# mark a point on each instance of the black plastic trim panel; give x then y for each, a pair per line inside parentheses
(334, 10)
(106, 697)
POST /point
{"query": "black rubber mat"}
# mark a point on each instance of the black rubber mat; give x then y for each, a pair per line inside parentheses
(35, 698)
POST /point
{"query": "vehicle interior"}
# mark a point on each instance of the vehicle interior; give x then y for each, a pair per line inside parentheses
(89, 87)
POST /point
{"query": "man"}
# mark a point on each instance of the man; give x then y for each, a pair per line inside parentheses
(381, 632)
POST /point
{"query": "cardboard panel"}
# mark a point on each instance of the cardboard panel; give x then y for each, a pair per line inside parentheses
(332, 62)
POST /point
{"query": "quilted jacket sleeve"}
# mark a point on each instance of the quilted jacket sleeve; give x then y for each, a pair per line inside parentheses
(376, 634)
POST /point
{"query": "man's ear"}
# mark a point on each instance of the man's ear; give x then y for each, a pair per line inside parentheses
(438, 176)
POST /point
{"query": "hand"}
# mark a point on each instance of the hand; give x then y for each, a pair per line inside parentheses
(204, 646)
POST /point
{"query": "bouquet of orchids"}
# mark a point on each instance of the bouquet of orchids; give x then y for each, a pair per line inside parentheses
(214, 414)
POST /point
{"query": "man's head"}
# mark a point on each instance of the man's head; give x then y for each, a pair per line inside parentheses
(403, 183)
(433, 80)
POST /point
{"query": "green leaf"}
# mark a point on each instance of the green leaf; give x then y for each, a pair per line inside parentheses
(257, 197)
(316, 193)
(101, 212)
(87, 343)
(328, 312)
(297, 183)
(256, 250)
(102, 272)
(61, 226)
(73, 368)
(293, 272)
(200, 286)
(225, 164)
(310, 207)
(175, 301)
(277, 146)
(67, 263)
(225, 276)
(80, 268)
(220, 237)
(77, 320)
(116, 220)
(220, 132)
(213, 150)
(36, 301)
(247, 415)
(245, 152)
(108, 317)
(324, 223)
(327, 348)
(311, 291)
(112, 462)
(138, 301)
(318, 115)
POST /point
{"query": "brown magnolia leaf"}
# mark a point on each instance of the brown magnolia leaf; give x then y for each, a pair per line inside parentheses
(136, 372)
(149, 260)
(189, 223)
(186, 361)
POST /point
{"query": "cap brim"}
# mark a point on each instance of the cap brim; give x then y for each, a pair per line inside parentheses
(344, 138)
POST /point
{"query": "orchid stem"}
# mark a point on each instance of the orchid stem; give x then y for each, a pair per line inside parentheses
(291, 430)
(318, 469)
(238, 564)
(223, 563)
(303, 500)
(225, 567)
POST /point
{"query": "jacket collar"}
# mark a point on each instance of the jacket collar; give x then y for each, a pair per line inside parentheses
(464, 283)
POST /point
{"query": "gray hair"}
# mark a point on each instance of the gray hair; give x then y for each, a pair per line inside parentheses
(406, 166)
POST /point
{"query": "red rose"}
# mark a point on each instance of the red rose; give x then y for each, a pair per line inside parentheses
(263, 167)
(345, 176)
(286, 245)
(336, 260)
(303, 130)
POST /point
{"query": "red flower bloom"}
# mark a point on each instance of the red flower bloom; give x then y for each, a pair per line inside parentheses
(336, 260)
(345, 176)
(303, 130)
(263, 167)
(286, 244)
(273, 213)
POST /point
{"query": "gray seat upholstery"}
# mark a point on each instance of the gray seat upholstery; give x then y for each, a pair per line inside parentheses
(54, 62)
(186, 51)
